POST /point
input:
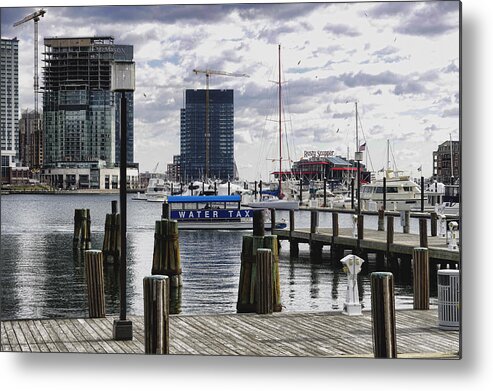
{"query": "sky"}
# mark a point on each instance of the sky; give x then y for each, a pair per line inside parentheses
(398, 60)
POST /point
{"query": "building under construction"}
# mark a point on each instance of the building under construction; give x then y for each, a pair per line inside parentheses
(80, 112)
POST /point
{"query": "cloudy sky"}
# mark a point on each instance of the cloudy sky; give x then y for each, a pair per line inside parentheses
(398, 60)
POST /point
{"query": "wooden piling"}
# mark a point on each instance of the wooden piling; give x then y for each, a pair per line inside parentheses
(273, 219)
(381, 220)
(433, 223)
(166, 211)
(112, 238)
(264, 284)
(405, 227)
(313, 221)
(421, 279)
(82, 229)
(294, 249)
(166, 256)
(291, 220)
(156, 314)
(258, 222)
(360, 227)
(247, 299)
(95, 283)
(335, 224)
(383, 315)
(423, 234)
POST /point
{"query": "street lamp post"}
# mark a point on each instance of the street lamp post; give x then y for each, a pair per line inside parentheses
(123, 80)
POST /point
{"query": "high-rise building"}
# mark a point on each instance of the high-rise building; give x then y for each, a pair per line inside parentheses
(30, 146)
(9, 103)
(80, 112)
(221, 130)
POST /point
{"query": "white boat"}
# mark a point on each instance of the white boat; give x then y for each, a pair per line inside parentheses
(223, 212)
(401, 194)
(157, 190)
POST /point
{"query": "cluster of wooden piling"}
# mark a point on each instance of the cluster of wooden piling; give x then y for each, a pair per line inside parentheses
(82, 229)
(166, 257)
(259, 258)
(112, 239)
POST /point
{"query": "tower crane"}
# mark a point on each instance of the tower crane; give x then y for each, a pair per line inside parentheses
(35, 17)
(208, 73)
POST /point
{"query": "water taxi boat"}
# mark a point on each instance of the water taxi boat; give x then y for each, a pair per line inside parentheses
(213, 212)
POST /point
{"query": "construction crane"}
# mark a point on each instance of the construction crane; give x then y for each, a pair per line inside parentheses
(35, 16)
(208, 73)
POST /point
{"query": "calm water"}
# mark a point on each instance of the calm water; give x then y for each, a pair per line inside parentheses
(42, 277)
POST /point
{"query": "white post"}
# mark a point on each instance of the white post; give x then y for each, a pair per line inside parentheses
(352, 266)
(442, 225)
(355, 226)
(452, 244)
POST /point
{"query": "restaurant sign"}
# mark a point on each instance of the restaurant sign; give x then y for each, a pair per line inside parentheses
(309, 154)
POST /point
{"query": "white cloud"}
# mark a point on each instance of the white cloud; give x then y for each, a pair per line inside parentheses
(399, 73)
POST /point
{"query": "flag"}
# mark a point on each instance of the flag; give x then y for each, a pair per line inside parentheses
(362, 147)
(419, 168)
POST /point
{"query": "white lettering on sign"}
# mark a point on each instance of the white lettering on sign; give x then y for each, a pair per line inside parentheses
(206, 214)
(214, 214)
(309, 154)
(181, 214)
(247, 213)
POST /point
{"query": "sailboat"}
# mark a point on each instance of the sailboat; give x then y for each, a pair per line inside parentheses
(280, 202)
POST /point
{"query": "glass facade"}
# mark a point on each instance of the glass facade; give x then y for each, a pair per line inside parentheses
(192, 135)
(81, 120)
(9, 103)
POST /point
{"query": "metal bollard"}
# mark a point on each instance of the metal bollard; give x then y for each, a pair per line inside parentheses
(156, 314)
(383, 315)
(352, 266)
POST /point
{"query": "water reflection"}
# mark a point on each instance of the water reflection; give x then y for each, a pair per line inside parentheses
(43, 277)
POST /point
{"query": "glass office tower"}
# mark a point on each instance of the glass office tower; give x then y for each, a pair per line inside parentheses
(9, 103)
(192, 135)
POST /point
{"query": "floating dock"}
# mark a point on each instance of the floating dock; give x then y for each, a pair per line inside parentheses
(299, 334)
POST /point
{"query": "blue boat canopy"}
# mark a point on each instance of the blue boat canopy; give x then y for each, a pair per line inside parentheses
(204, 199)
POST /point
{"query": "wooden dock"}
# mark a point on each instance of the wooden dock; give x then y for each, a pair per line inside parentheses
(319, 334)
(392, 244)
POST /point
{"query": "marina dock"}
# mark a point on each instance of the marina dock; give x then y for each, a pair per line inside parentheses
(302, 334)
(392, 244)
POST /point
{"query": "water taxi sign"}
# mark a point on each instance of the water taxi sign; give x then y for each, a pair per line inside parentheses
(212, 214)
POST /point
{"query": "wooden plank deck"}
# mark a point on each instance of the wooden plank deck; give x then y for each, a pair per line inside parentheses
(373, 240)
(280, 334)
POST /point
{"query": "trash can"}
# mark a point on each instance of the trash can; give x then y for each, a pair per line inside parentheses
(448, 299)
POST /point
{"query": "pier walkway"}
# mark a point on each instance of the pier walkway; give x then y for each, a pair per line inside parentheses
(403, 243)
(314, 334)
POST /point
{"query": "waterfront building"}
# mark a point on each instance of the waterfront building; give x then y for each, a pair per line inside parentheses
(9, 104)
(80, 112)
(446, 162)
(30, 140)
(96, 175)
(173, 169)
(221, 130)
(317, 165)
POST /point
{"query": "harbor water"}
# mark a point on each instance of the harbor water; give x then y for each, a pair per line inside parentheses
(42, 276)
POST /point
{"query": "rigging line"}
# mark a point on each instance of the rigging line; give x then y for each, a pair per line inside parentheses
(393, 158)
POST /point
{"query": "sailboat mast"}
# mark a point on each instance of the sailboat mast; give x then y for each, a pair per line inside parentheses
(357, 141)
(280, 128)
(388, 158)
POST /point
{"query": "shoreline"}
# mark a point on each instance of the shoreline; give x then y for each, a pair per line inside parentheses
(71, 192)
